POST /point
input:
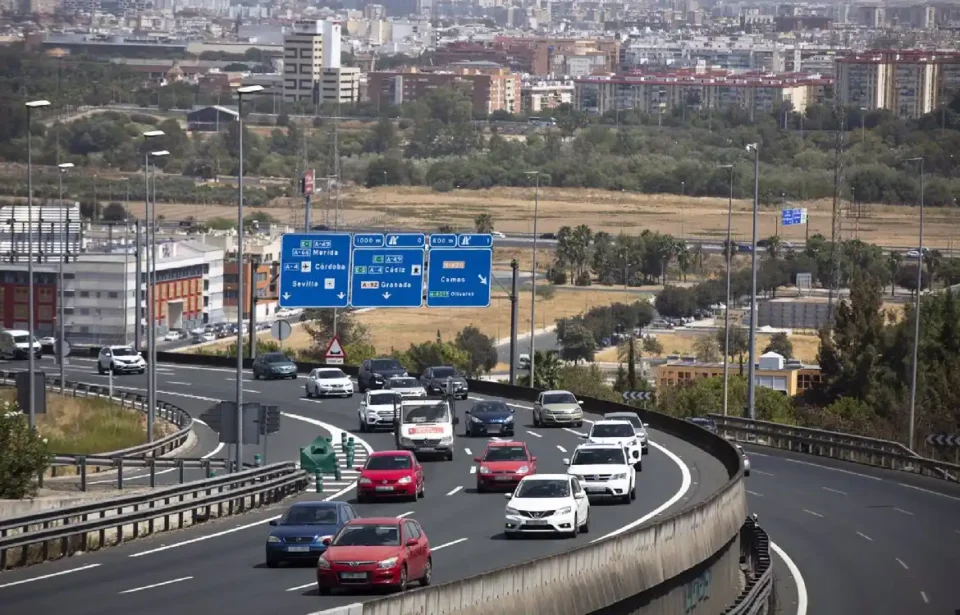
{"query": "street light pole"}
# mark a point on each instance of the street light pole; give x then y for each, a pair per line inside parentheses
(152, 334)
(916, 321)
(726, 311)
(61, 316)
(151, 390)
(533, 281)
(752, 372)
(31, 325)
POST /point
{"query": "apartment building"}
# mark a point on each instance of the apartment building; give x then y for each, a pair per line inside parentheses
(537, 96)
(537, 56)
(909, 83)
(311, 65)
(755, 93)
(773, 372)
(490, 87)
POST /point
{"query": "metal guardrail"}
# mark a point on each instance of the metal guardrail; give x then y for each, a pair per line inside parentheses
(835, 445)
(757, 595)
(32, 538)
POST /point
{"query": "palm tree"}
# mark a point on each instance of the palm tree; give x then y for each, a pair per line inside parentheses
(728, 249)
(684, 259)
(775, 247)
(698, 257)
(894, 262)
(932, 259)
(483, 223)
(547, 365)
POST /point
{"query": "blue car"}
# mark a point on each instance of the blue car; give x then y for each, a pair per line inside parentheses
(298, 535)
(704, 422)
(491, 417)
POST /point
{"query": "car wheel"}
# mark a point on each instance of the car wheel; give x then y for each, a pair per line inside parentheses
(423, 490)
(113, 368)
(362, 499)
(639, 467)
(307, 391)
(323, 591)
(510, 535)
(585, 528)
(363, 426)
(140, 371)
(100, 369)
(626, 498)
(633, 492)
(481, 488)
(579, 423)
(536, 420)
(646, 451)
(402, 585)
(272, 562)
(746, 472)
(576, 528)
(256, 375)
(360, 387)
(450, 455)
(427, 573)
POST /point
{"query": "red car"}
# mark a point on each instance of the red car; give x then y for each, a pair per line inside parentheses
(504, 464)
(391, 474)
(373, 553)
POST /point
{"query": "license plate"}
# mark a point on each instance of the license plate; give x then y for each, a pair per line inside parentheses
(504, 478)
(298, 549)
(385, 488)
(536, 522)
(596, 490)
(353, 575)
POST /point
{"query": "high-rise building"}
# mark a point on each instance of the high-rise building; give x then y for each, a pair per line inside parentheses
(910, 83)
(312, 71)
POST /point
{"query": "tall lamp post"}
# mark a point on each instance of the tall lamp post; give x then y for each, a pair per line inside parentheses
(916, 321)
(752, 372)
(533, 280)
(31, 325)
(241, 92)
(152, 281)
(728, 253)
(63, 167)
(151, 391)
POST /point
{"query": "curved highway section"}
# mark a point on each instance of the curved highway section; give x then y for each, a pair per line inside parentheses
(218, 567)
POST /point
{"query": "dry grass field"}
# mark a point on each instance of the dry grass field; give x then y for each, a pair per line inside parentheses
(805, 346)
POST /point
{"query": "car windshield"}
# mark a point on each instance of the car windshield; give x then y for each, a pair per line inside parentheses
(382, 399)
(329, 374)
(21, 339)
(444, 372)
(276, 357)
(425, 414)
(403, 383)
(389, 462)
(617, 430)
(385, 364)
(124, 352)
(559, 398)
(489, 406)
(505, 453)
(543, 489)
(368, 535)
(603, 456)
(310, 515)
(631, 418)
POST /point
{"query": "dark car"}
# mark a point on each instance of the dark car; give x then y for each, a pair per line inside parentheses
(704, 422)
(434, 380)
(374, 373)
(274, 365)
(490, 417)
(298, 535)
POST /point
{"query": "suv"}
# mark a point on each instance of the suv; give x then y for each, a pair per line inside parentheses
(374, 373)
(639, 427)
(619, 433)
(119, 360)
(604, 470)
(435, 379)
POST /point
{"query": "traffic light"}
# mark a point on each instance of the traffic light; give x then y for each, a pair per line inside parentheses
(270, 419)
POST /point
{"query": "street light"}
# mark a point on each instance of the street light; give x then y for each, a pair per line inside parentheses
(64, 233)
(752, 373)
(151, 381)
(34, 104)
(916, 323)
(241, 92)
(152, 350)
(726, 311)
(533, 281)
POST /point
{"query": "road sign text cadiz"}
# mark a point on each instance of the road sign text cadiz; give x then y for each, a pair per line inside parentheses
(389, 276)
(315, 270)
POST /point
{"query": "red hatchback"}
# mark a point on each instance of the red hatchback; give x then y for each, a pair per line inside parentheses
(391, 474)
(375, 552)
(504, 464)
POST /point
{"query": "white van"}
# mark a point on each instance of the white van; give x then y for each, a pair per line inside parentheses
(426, 427)
(15, 344)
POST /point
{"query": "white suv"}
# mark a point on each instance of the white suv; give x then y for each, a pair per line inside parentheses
(120, 360)
(621, 433)
(604, 470)
(378, 410)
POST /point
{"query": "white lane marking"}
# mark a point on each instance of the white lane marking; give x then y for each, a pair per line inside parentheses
(762, 472)
(448, 544)
(588, 421)
(864, 536)
(334, 432)
(900, 510)
(810, 512)
(685, 483)
(250, 391)
(216, 450)
(816, 465)
(943, 495)
(562, 450)
(304, 586)
(924, 596)
(756, 454)
(802, 598)
(473, 469)
(185, 384)
(900, 561)
(49, 576)
(406, 514)
(140, 589)
(468, 451)
(454, 490)
(534, 434)
(576, 433)
(759, 495)
(834, 490)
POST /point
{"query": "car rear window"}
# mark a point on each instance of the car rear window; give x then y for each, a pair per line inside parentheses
(505, 453)
(389, 462)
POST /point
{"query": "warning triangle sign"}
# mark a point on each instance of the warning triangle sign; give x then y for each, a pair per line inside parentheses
(334, 350)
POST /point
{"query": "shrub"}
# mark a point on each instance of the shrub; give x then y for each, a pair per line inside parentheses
(23, 454)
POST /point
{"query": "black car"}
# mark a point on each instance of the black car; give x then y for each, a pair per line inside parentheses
(704, 422)
(274, 365)
(490, 417)
(374, 373)
(434, 380)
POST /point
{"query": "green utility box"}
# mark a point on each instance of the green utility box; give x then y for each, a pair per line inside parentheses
(318, 457)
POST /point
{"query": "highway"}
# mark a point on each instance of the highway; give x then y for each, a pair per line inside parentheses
(219, 566)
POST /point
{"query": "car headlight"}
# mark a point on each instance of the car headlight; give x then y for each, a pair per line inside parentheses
(509, 419)
(446, 440)
(484, 470)
(365, 481)
(632, 442)
(474, 419)
(273, 539)
(619, 476)
(388, 563)
(564, 511)
(404, 481)
(512, 511)
(523, 470)
(323, 563)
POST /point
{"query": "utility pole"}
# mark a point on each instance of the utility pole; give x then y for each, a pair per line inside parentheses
(254, 265)
(514, 319)
(632, 363)
(834, 292)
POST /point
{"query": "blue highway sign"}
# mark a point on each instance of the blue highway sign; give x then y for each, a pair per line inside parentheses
(388, 276)
(791, 217)
(475, 241)
(368, 240)
(314, 270)
(406, 240)
(443, 240)
(461, 277)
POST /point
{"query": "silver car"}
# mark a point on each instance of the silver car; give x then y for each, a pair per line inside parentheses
(557, 408)
(746, 460)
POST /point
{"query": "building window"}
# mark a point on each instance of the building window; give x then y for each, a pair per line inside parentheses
(113, 295)
(84, 311)
(84, 293)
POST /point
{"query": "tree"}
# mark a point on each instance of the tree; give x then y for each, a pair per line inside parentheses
(739, 343)
(421, 356)
(483, 223)
(676, 302)
(774, 247)
(114, 212)
(894, 262)
(780, 343)
(706, 349)
(652, 345)
(545, 292)
(547, 371)
(578, 343)
(23, 454)
(319, 325)
(480, 350)
(586, 380)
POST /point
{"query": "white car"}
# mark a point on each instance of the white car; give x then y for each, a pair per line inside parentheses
(639, 427)
(172, 336)
(406, 386)
(119, 360)
(746, 460)
(621, 433)
(326, 381)
(378, 410)
(547, 503)
(604, 470)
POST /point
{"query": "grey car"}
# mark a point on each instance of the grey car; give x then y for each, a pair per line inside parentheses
(274, 365)
(434, 380)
